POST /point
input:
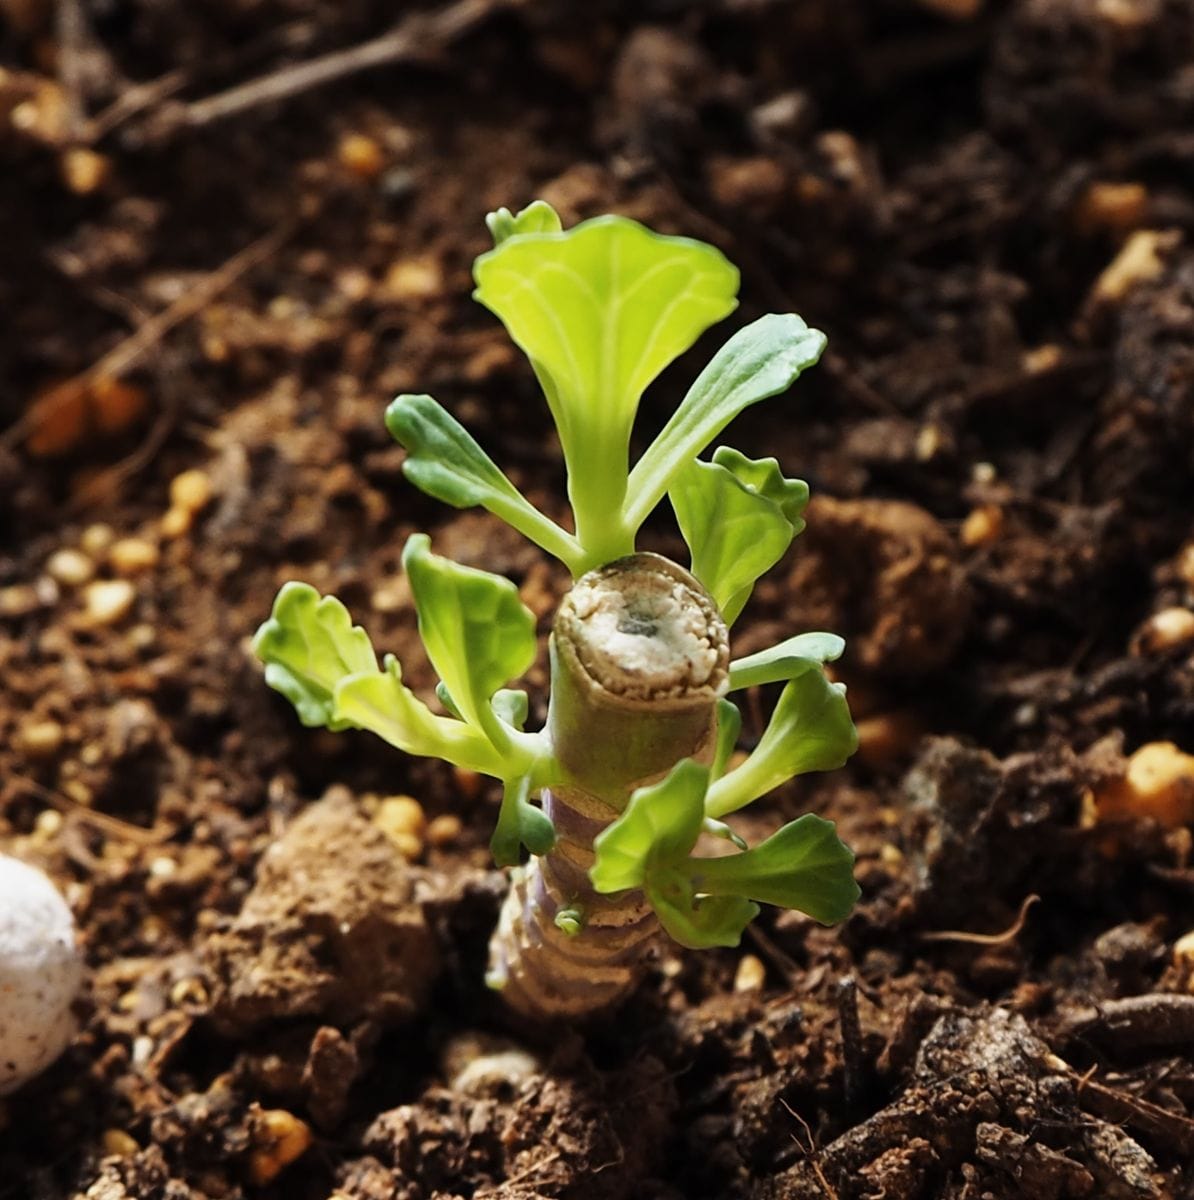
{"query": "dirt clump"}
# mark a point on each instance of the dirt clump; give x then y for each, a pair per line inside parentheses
(331, 930)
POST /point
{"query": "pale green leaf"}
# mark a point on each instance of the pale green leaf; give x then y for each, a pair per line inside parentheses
(308, 645)
(380, 702)
(600, 310)
(759, 361)
(763, 476)
(791, 657)
(477, 632)
(698, 922)
(733, 532)
(537, 217)
(445, 461)
(729, 726)
(810, 730)
(659, 826)
(520, 823)
(804, 866)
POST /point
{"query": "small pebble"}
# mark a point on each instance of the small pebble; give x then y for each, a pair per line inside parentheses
(983, 526)
(96, 539)
(190, 491)
(413, 279)
(1141, 258)
(40, 739)
(119, 1143)
(444, 830)
(176, 522)
(1158, 783)
(361, 155)
(71, 568)
(281, 1138)
(84, 171)
(18, 600)
(108, 601)
(132, 555)
(1111, 207)
(750, 975)
(1164, 630)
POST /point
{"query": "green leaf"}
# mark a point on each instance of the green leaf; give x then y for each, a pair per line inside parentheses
(759, 361)
(790, 658)
(810, 730)
(476, 630)
(734, 531)
(537, 217)
(600, 310)
(380, 702)
(520, 823)
(659, 826)
(763, 476)
(804, 866)
(445, 461)
(729, 726)
(699, 923)
(308, 645)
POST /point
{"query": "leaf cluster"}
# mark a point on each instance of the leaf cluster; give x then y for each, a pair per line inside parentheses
(600, 310)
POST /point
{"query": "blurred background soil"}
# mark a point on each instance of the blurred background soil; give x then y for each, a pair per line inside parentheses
(231, 231)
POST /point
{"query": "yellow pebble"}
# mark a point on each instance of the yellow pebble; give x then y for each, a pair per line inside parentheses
(750, 975)
(983, 526)
(361, 155)
(84, 171)
(1141, 258)
(71, 568)
(132, 555)
(281, 1138)
(190, 491)
(120, 1143)
(108, 601)
(400, 814)
(48, 823)
(444, 829)
(1159, 783)
(1165, 630)
(40, 739)
(176, 522)
(414, 279)
(96, 539)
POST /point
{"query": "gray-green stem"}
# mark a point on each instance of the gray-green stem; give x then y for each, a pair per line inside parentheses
(639, 658)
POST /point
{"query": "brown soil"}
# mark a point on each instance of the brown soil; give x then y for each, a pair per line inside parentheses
(1002, 437)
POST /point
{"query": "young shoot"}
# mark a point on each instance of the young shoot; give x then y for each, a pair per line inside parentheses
(611, 797)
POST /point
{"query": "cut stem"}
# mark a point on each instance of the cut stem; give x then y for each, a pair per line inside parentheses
(639, 659)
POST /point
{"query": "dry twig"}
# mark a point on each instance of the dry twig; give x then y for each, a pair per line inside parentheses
(984, 939)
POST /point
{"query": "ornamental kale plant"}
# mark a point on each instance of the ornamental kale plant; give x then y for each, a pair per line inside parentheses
(633, 765)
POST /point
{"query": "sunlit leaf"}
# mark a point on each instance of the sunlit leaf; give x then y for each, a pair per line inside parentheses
(445, 461)
(759, 361)
(600, 310)
(810, 730)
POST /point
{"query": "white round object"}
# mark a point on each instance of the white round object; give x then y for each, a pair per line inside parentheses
(40, 973)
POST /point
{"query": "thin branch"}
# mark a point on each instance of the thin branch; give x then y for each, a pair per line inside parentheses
(415, 37)
(985, 939)
(127, 352)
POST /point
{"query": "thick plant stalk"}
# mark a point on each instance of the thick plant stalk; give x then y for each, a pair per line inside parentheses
(639, 658)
